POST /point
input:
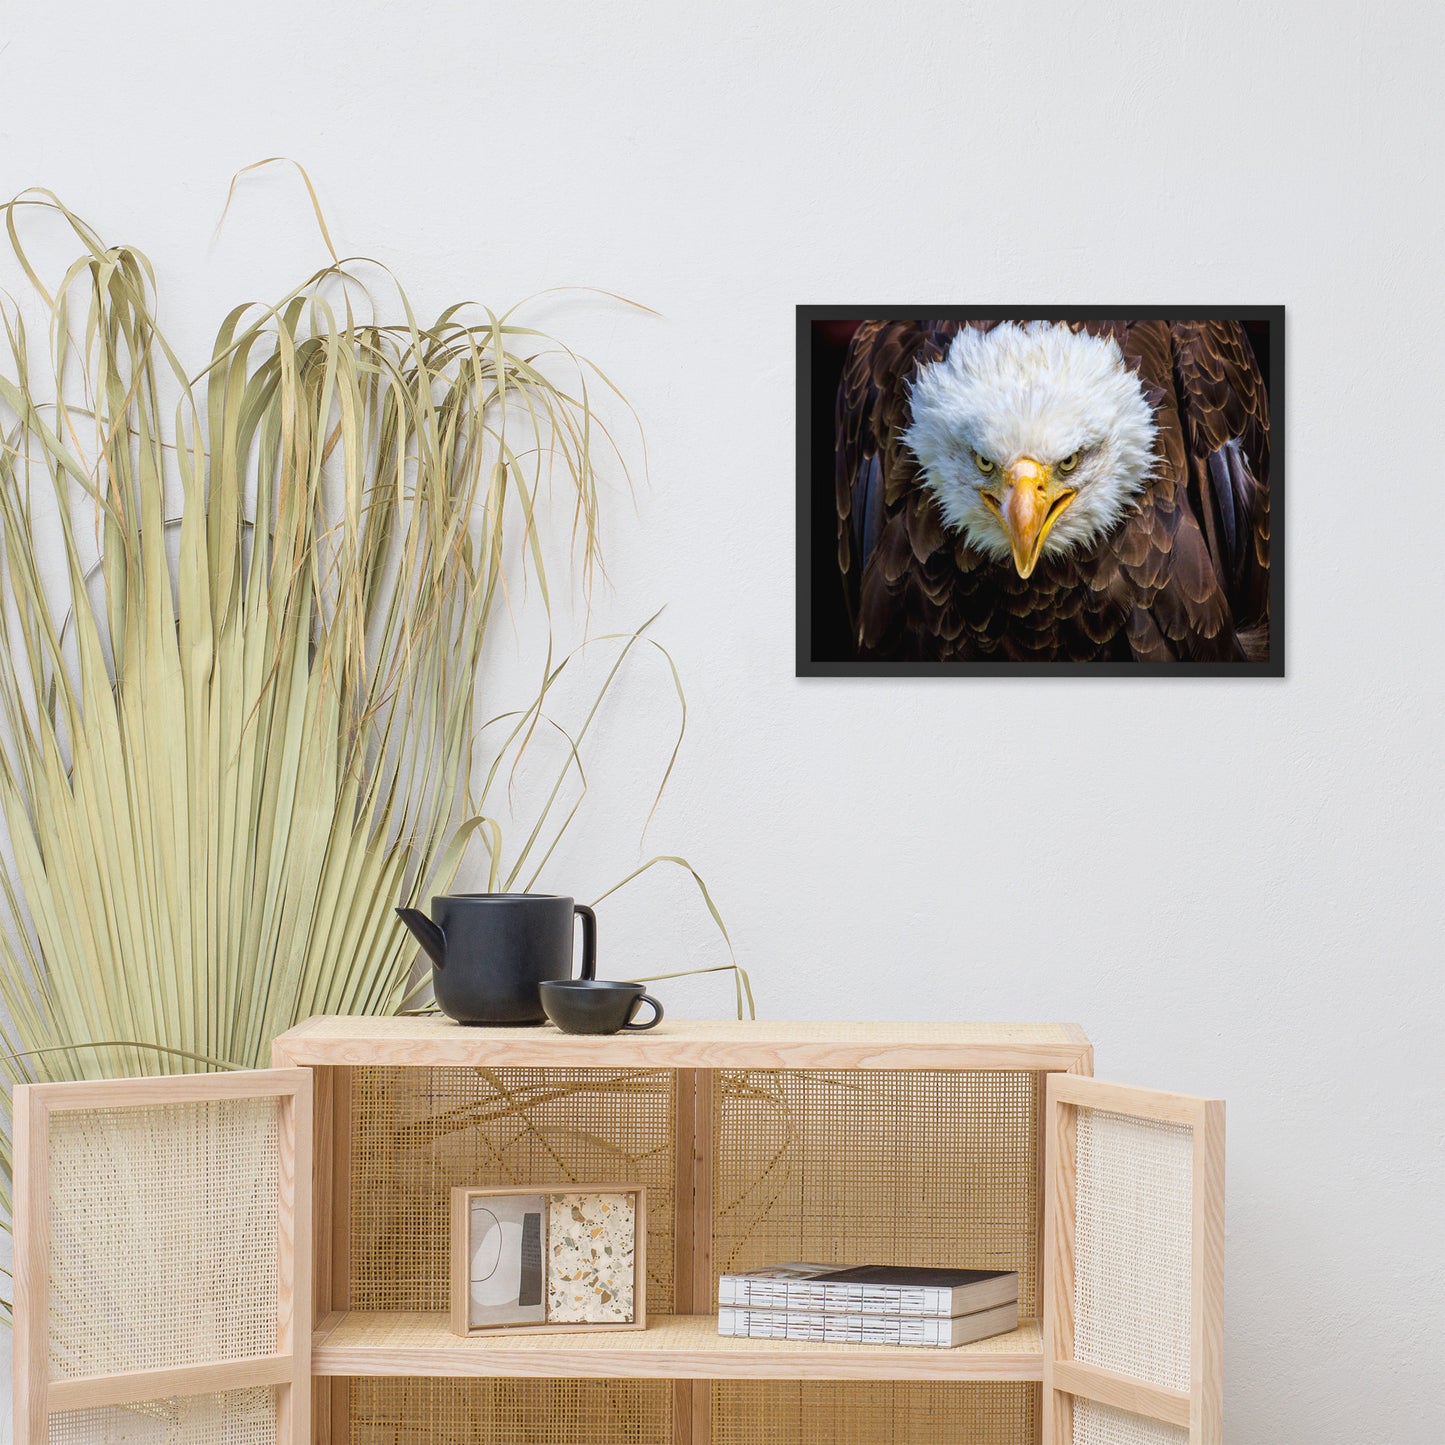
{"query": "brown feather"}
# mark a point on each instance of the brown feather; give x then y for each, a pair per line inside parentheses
(1184, 575)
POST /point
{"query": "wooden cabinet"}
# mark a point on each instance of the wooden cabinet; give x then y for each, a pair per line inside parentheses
(979, 1144)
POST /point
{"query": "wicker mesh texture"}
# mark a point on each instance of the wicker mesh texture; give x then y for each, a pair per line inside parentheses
(162, 1238)
(1096, 1424)
(234, 1417)
(806, 1164)
(408, 1411)
(1132, 1249)
(416, 1133)
(777, 1412)
(878, 1167)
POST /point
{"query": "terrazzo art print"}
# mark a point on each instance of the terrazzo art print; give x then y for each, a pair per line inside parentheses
(591, 1258)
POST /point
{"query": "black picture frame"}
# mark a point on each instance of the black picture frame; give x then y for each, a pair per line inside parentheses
(817, 516)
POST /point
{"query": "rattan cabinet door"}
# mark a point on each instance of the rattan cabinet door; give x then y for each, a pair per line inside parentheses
(1133, 1266)
(162, 1260)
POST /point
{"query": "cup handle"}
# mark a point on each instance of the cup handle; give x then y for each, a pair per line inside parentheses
(589, 940)
(653, 1022)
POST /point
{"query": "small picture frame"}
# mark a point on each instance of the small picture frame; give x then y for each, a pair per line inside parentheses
(554, 1258)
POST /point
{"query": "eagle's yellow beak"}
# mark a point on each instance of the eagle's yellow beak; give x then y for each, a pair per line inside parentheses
(1028, 501)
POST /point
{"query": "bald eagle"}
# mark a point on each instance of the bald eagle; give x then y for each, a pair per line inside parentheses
(1054, 491)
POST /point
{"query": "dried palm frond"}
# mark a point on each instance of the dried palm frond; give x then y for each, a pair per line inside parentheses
(241, 619)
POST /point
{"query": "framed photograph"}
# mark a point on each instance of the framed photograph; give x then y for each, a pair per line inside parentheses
(549, 1258)
(1076, 492)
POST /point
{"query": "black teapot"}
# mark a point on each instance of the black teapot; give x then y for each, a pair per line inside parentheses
(491, 951)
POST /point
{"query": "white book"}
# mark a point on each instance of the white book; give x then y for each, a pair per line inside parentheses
(869, 1289)
(843, 1329)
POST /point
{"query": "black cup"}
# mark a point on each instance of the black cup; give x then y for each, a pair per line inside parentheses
(595, 1006)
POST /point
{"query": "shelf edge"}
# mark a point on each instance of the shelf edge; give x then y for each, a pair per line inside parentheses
(550, 1359)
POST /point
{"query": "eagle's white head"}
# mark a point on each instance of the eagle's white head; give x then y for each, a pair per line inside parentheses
(1033, 438)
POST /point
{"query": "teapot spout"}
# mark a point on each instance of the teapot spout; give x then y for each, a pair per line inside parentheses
(431, 938)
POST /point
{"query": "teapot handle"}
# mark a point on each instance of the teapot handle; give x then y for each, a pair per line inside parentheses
(589, 940)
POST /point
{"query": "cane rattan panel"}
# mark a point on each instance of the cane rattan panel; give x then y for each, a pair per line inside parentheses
(406, 1411)
(163, 1245)
(1132, 1266)
(234, 1417)
(1096, 1424)
(925, 1167)
(774, 1412)
(418, 1132)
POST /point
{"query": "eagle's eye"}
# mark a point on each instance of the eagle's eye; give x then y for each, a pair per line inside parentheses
(1069, 462)
(985, 466)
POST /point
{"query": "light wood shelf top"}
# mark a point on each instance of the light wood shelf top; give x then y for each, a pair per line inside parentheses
(689, 1044)
(672, 1347)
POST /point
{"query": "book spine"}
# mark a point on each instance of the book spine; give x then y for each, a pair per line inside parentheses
(834, 1328)
(743, 1292)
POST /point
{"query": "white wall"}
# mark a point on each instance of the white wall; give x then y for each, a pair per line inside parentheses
(1236, 886)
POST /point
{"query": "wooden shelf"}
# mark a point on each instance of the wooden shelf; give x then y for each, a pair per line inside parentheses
(672, 1347)
(688, 1044)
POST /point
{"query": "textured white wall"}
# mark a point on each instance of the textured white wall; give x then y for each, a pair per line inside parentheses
(1236, 886)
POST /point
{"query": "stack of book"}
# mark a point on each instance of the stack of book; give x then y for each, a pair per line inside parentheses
(869, 1304)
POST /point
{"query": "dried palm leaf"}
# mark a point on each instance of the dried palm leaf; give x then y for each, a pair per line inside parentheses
(240, 727)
